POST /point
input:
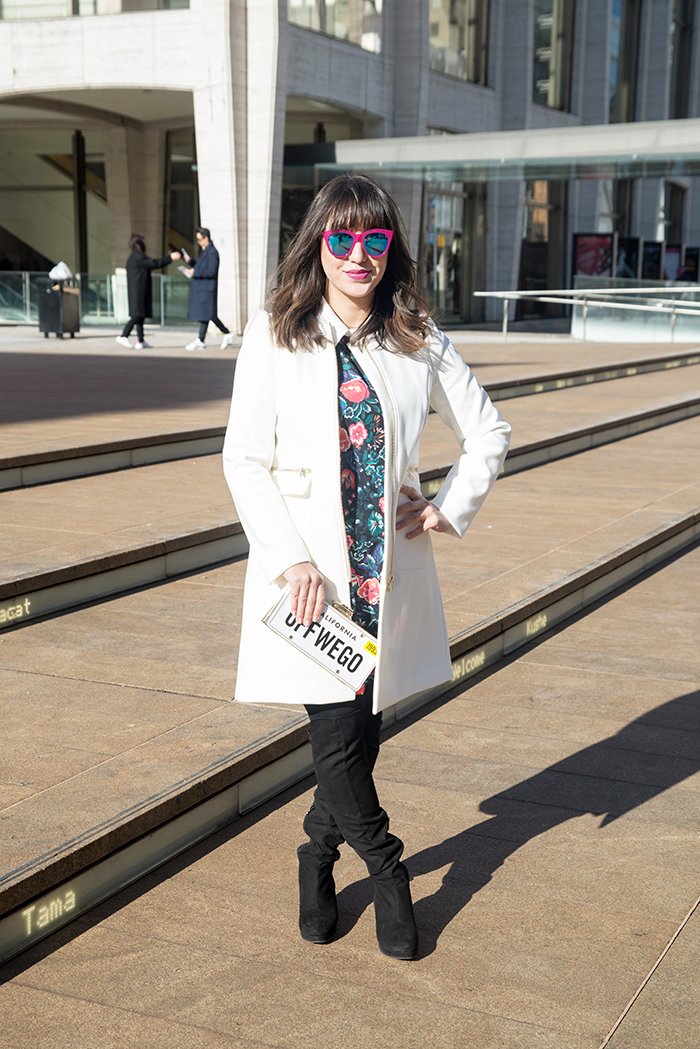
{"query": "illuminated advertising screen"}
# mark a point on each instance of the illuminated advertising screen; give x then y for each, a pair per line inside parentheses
(593, 254)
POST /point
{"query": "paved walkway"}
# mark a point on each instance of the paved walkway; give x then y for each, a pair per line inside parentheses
(143, 682)
(550, 811)
(88, 390)
(49, 526)
(550, 820)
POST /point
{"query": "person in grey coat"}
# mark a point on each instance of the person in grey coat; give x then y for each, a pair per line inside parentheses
(139, 267)
(203, 293)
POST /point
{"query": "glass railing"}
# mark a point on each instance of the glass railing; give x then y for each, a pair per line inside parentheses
(103, 298)
(12, 10)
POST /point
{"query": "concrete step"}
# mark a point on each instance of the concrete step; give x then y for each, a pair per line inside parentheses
(129, 749)
(108, 534)
(66, 460)
(549, 814)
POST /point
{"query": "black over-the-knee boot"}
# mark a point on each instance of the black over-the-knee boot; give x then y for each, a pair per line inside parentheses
(346, 785)
(318, 910)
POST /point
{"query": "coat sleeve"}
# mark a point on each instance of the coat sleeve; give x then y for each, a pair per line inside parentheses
(156, 264)
(207, 265)
(249, 450)
(482, 433)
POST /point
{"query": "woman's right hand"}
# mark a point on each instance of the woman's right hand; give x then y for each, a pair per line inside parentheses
(308, 595)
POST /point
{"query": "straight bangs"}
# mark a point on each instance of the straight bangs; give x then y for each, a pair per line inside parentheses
(364, 208)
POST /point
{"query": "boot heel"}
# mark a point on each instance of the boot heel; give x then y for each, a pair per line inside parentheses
(397, 934)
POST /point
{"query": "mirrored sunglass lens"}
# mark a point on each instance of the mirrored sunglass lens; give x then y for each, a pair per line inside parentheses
(340, 243)
(376, 243)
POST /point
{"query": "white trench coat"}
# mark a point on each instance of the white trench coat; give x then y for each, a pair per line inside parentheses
(282, 464)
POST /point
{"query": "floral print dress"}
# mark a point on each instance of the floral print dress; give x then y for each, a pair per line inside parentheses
(361, 485)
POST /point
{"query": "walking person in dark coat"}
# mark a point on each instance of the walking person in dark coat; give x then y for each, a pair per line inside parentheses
(203, 293)
(139, 267)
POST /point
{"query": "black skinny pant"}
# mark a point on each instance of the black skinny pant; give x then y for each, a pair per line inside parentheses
(203, 325)
(134, 322)
(345, 744)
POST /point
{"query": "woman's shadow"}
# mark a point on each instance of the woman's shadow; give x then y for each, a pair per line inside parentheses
(610, 778)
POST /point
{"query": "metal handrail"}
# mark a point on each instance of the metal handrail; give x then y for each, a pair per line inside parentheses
(587, 297)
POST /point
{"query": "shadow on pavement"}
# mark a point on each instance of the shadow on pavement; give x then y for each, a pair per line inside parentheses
(610, 779)
(57, 385)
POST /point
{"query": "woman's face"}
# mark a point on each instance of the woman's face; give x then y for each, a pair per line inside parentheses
(353, 279)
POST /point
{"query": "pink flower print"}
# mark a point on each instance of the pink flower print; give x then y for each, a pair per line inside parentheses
(381, 504)
(344, 440)
(370, 590)
(361, 690)
(354, 390)
(358, 433)
(347, 479)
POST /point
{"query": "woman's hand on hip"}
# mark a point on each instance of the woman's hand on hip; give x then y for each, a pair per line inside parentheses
(308, 595)
(418, 515)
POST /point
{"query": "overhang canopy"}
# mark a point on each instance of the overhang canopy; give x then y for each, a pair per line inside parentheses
(655, 149)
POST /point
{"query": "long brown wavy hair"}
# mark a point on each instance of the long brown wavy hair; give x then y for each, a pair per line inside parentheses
(400, 317)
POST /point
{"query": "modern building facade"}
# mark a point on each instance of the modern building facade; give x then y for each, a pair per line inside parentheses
(154, 115)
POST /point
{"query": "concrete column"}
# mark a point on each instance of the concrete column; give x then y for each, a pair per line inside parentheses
(220, 129)
(406, 33)
(125, 183)
(594, 83)
(654, 55)
(151, 190)
(514, 61)
(267, 96)
(504, 209)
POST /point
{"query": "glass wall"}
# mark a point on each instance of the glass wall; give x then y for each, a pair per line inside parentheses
(459, 33)
(443, 232)
(553, 57)
(624, 57)
(15, 9)
(356, 21)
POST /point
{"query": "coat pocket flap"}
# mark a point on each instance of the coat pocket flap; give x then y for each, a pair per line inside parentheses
(295, 482)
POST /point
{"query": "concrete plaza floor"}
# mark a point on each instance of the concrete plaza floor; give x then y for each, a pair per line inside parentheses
(550, 817)
(550, 810)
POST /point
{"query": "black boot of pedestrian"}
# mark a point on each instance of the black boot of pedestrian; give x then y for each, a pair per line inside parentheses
(318, 909)
(397, 935)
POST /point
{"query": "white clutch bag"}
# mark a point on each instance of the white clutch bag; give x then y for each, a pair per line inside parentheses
(335, 643)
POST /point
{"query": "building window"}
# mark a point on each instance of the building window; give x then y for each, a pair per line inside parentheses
(17, 9)
(674, 207)
(554, 37)
(624, 55)
(681, 55)
(622, 206)
(356, 21)
(459, 34)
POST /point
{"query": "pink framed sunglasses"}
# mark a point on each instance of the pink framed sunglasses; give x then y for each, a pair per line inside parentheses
(340, 242)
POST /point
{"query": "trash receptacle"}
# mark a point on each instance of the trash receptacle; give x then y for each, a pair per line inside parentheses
(59, 306)
(59, 312)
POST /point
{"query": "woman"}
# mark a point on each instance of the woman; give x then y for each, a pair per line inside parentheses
(332, 392)
(140, 289)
